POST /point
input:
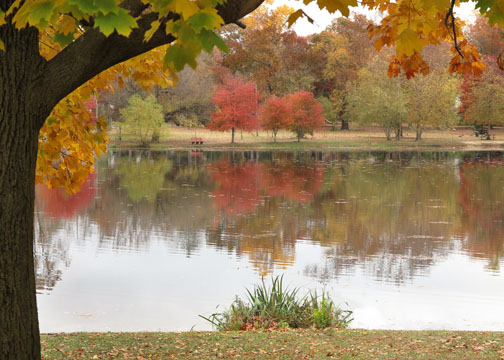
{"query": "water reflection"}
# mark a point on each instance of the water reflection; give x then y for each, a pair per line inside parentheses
(388, 216)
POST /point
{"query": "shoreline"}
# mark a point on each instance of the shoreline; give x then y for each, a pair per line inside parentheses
(287, 344)
(348, 141)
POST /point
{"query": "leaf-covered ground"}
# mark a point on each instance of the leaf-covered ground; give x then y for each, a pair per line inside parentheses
(371, 138)
(298, 344)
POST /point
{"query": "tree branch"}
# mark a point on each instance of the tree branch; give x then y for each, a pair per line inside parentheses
(93, 52)
(449, 15)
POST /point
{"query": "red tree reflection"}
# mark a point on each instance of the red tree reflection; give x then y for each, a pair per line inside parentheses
(294, 181)
(57, 204)
(237, 188)
(483, 208)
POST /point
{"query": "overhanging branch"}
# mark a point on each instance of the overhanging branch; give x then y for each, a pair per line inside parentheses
(93, 52)
(451, 16)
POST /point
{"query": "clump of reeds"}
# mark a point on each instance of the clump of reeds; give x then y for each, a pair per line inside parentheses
(280, 307)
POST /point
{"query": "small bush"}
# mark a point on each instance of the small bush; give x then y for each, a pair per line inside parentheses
(143, 118)
(279, 307)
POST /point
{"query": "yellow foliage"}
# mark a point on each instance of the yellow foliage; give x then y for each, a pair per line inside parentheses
(71, 139)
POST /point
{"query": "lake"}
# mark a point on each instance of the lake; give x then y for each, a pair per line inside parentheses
(406, 240)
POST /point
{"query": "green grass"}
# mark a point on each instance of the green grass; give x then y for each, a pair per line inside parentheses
(277, 306)
(291, 344)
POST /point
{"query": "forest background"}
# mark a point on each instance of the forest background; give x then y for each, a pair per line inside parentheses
(354, 84)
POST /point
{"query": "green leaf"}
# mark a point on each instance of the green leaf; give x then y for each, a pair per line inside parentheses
(86, 6)
(63, 39)
(496, 16)
(40, 13)
(122, 22)
(177, 56)
(209, 39)
(107, 6)
(484, 5)
(206, 19)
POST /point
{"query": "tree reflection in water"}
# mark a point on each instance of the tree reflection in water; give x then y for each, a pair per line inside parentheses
(390, 215)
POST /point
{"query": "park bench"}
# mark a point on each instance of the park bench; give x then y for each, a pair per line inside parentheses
(196, 141)
(483, 133)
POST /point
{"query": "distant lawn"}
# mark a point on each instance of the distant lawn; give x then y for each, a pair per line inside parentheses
(292, 344)
(371, 138)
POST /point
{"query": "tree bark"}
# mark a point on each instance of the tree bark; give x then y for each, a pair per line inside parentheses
(398, 133)
(232, 135)
(418, 134)
(344, 125)
(274, 135)
(22, 113)
(387, 133)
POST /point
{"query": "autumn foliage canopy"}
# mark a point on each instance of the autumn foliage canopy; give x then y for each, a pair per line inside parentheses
(307, 113)
(275, 115)
(237, 102)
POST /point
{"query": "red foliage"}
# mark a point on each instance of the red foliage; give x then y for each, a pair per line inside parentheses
(292, 181)
(307, 113)
(469, 88)
(237, 189)
(466, 98)
(56, 203)
(92, 105)
(237, 102)
(489, 40)
(275, 115)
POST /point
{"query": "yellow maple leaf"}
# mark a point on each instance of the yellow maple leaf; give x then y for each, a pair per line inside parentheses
(408, 42)
(335, 5)
(186, 8)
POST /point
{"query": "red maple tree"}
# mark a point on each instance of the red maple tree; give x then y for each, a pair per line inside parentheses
(307, 113)
(237, 101)
(275, 115)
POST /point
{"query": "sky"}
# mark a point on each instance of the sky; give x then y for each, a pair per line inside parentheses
(323, 18)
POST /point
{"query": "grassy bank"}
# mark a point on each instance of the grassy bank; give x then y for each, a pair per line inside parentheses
(292, 344)
(357, 139)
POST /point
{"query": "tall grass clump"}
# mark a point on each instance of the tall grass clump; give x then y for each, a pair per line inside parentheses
(280, 307)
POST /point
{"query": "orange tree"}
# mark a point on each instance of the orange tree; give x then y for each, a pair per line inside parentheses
(275, 115)
(51, 48)
(306, 113)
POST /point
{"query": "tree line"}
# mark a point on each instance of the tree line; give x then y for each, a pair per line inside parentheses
(273, 79)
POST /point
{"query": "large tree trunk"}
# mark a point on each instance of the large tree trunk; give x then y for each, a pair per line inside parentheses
(21, 116)
(19, 331)
(387, 133)
(418, 134)
(344, 125)
(398, 133)
(232, 135)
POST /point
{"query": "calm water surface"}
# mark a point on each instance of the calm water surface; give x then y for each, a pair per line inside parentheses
(405, 240)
